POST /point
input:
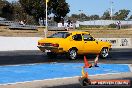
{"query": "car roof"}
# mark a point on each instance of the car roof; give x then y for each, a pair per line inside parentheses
(74, 32)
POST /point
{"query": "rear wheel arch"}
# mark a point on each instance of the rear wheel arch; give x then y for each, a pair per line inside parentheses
(73, 48)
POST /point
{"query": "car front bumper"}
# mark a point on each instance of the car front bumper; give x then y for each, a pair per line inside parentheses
(110, 49)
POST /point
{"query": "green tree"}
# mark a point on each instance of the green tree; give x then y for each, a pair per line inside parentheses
(130, 17)
(94, 17)
(74, 17)
(6, 9)
(36, 8)
(59, 8)
(82, 16)
(2, 4)
(106, 15)
(19, 14)
(121, 14)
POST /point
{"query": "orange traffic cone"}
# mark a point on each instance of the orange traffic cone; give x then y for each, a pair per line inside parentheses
(86, 64)
(96, 61)
(84, 74)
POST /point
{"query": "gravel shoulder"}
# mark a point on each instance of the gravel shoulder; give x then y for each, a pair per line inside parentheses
(97, 33)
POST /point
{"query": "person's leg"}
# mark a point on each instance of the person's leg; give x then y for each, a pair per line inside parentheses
(96, 61)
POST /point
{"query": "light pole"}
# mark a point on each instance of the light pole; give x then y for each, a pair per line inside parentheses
(46, 23)
(111, 9)
(80, 14)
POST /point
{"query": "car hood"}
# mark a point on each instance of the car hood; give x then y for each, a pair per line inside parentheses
(105, 43)
(50, 40)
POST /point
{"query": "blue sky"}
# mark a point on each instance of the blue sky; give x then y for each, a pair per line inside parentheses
(98, 6)
(90, 7)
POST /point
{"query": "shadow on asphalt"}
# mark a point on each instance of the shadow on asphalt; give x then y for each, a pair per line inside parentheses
(28, 59)
(117, 56)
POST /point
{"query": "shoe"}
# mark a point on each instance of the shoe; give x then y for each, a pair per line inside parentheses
(96, 66)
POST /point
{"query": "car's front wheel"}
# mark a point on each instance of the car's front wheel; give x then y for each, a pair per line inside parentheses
(72, 54)
(104, 53)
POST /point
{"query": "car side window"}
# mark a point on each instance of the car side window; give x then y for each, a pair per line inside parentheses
(67, 35)
(77, 37)
(87, 37)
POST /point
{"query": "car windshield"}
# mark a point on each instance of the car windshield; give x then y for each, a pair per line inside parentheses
(60, 35)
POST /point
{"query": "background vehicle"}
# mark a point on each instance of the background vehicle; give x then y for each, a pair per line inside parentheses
(73, 43)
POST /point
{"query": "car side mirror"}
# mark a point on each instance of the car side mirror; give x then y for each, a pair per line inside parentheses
(96, 41)
(92, 39)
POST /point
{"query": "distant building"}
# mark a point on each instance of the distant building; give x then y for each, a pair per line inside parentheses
(65, 25)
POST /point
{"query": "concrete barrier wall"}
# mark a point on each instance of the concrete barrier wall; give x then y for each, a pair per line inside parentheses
(30, 43)
(18, 43)
(118, 42)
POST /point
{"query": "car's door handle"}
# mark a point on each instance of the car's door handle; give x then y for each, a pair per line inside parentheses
(85, 42)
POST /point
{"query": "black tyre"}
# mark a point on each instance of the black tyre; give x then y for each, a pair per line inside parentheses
(72, 54)
(104, 53)
(51, 55)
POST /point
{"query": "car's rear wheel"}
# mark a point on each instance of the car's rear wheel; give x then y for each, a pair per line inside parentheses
(104, 53)
(51, 54)
(72, 54)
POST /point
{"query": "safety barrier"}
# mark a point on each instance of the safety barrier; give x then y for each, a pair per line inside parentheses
(8, 23)
(30, 43)
(16, 25)
(118, 42)
(23, 27)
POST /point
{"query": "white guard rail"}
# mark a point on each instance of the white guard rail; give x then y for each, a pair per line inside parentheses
(30, 43)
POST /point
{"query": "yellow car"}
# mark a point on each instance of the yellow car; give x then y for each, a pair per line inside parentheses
(73, 43)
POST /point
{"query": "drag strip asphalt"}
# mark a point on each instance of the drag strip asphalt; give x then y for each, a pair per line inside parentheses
(119, 56)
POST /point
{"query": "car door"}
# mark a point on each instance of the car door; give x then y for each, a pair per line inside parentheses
(77, 42)
(90, 44)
